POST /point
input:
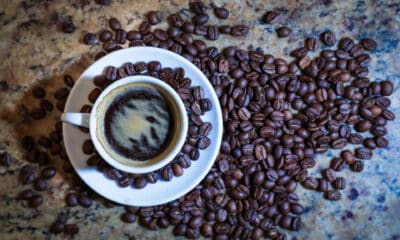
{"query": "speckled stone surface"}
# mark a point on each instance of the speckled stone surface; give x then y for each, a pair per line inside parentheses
(34, 52)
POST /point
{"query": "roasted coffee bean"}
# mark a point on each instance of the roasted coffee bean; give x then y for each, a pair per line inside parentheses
(328, 38)
(381, 142)
(283, 32)
(35, 201)
(221, 12)
(114, 24)
(38, 92)
(363, 153)
(200, 19)
(311, 44)
(239, 30)
(272, 17)
(153, 17)
(26, 194)
(94, 94)
(339, 183)
(84, 201)
(48, 172)
(206, 230)
(347, 156)
(88, 147)
(368, 44)
(142, 182)
(57, 227)
(105, 35)
(89, 39)
(386, 88)
(71, 199)
(40, 184)
(333, 195)
(357, 166)
(37, 113)
(68, 26)
(337, 164)
(322, 185)
(329, 175)
(346, 44)
(212, 32)
(128, 217)
(197, 7)
(61, 93)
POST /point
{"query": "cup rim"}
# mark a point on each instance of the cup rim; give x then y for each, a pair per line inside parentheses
(170, 155)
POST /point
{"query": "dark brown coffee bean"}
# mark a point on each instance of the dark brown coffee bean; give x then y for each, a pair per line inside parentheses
(38, 92)
(356, 138)
(197, 7)
(363, 153)
(120, 36)
(357, 166)
(204, 143)
(221, 12)
(381, 142)
(347, 156)
(89, 39)
(322, 185)
(40, 184)
(48, 172)
(26, 194)
(386, 88)
(272, 17)
(339, 183)
(84, 201)
(283, 32)
(68, 26)
(200, 19)
(212, 32)
(35, 201)
(153, 17)
(94, 94)
(114, 24)
(346, 44)
(333, 195)
(337, 164)
(128, 217)
(329, 175)
(311, 44)
(328, 38)
(177, 169)
(88, 147)
(205, 129)
(105, 35)
(310, 183)
(206, 230)
(239, 30)
(363, 126)
(368, 44)
(72, 199)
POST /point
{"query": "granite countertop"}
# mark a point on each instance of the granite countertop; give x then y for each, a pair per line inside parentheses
(33, 51)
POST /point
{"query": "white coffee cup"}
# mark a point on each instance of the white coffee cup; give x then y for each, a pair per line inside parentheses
(173, 146)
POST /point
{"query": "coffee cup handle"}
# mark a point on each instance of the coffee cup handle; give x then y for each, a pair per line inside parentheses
(78, 119)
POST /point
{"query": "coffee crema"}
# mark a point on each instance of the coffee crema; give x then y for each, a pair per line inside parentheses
(135, 122)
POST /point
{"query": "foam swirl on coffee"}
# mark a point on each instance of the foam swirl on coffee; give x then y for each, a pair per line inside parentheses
(137, 123)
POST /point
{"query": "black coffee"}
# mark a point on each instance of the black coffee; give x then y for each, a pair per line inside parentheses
(137, 122)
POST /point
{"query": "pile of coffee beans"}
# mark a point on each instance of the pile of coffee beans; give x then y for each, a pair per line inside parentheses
(278, 116)
(195, 103)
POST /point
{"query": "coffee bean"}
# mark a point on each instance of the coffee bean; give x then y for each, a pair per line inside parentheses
(310, 183)
(68, 26)
(153, 17)
(128, 217)
(38, 92)
(46, 105)
(329, 175)
(48, 172)
(84, 201)
(386, 88)
(71, 199)
(333, 195)
(206, 230)
(61, 93)
(40, 184)
(368, 44)
(363, 153)
(328, 38)
(105, 35)
(94, 94)
(381, 142)
(88, 147)
(37, 113)
(204, 143)
(197, 7)
(221, 12)
(26, 194)
(89, 39)
(114, 24)
(272, 17)
(239, 30)
(311, 44)
(283, 32)
(339, 183)
(357, 166)
(35, 201)
(212, 32)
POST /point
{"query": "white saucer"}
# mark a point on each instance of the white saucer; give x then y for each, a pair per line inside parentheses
(161, 191)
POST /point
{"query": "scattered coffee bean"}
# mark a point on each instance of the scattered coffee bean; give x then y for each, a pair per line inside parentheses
(333, 195)
(153, 17)
(38, 92)
(128, 217)
(283, 32)
(68, 26)
(57, 227)
(89, 39)
(272, 17)
(339, 183)
(221, 12)
(88, 147)
(35, 201)
(72, 199)
(6, 159)
(328, 38)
